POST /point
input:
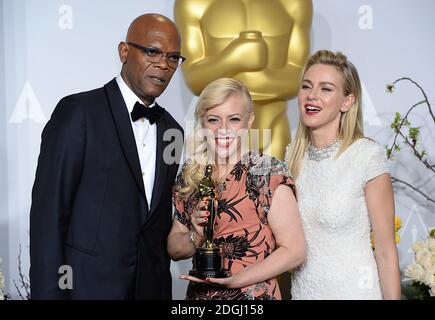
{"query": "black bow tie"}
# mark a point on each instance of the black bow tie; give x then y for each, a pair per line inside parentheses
(152, 114)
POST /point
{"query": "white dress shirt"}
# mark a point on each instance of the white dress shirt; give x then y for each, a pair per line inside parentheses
(145, 135)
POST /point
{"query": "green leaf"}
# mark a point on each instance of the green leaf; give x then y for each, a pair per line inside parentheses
(389, 152)
(414, 133)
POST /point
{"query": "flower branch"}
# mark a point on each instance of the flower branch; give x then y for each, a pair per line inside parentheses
(390, 88)
(411, 137)
(393, 179)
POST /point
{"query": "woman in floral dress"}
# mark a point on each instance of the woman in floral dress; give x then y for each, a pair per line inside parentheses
(257, 224)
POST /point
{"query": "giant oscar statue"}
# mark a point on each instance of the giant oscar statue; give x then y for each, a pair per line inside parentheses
(208, 259)
(262, 43)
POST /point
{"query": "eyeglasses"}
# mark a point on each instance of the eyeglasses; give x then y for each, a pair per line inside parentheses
(155, 55)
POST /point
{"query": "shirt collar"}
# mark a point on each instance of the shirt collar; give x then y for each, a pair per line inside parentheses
(129, 96)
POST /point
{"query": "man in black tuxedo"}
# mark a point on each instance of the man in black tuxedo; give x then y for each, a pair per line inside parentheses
(101, 201)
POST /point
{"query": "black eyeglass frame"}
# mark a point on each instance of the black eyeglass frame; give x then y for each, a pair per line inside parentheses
(159, 54)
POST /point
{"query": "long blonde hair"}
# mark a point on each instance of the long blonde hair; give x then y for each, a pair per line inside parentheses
(214, 94)
(351, 122)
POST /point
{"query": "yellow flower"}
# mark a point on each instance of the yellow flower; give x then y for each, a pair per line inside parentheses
(396, 238)
(397, 223)
(397, 226)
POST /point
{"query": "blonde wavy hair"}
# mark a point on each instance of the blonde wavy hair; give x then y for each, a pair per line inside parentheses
(351, 122)
(213, 95)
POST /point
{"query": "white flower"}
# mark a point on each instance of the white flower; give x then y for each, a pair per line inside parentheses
(422, 269)
(432, 268)
(418, 245)
(423, 258)
(429, 278)
(432, 245)
(415, 272)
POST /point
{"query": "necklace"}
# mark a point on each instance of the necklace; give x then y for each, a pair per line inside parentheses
(318, 154)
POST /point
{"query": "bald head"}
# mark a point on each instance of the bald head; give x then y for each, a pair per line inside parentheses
(148, 36)
(153, 23)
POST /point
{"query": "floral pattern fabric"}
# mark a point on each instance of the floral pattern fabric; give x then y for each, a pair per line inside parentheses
(241, 226)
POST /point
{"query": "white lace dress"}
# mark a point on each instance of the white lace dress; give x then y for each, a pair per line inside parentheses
(340, 262)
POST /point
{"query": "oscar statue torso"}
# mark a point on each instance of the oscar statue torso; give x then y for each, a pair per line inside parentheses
(206, 190)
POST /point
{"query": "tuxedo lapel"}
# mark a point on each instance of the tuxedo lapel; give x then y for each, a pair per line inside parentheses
(161, 172)
(125, 131)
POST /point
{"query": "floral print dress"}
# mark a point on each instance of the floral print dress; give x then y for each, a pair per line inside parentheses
(241, 227)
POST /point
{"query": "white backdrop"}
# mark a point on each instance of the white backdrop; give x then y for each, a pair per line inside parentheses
(53, 48)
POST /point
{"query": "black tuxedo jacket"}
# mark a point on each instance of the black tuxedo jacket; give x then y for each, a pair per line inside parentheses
(89, 209)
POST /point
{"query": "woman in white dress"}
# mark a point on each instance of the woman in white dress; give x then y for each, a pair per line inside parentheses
(344, 190)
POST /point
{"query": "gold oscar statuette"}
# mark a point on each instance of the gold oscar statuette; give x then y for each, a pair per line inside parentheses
(208, 259)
